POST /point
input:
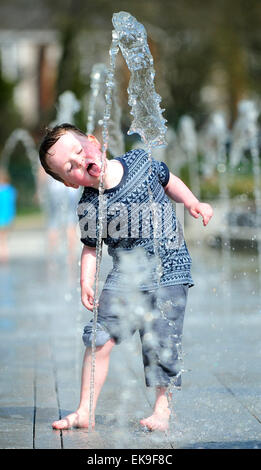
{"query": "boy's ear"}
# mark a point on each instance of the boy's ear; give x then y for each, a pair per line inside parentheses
(75, 186)
(93, 139)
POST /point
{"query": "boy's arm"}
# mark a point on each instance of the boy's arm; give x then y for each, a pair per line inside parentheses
(88, 270)
(179, 192)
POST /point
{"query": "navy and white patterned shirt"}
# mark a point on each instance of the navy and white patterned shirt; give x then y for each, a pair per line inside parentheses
(130, 227)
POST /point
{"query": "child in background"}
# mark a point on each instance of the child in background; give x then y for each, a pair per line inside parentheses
(7, 212)
(74, 159)
(60, 208)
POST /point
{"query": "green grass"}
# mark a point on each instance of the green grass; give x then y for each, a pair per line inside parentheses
(27, 211)
(238, 184)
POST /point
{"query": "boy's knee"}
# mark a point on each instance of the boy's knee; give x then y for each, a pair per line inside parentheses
(102, 336)
(106, 348)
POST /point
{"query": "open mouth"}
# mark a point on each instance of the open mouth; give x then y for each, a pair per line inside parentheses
(89, 167)
(93, 169)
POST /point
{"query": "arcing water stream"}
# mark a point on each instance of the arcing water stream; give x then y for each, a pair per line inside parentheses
(105, 134)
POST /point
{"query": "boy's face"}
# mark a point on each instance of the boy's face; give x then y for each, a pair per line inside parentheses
(76, 159)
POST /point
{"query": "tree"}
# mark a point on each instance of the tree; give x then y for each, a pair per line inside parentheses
(9, 116)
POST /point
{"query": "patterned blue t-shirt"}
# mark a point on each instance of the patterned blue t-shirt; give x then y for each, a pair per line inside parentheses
(131, 227)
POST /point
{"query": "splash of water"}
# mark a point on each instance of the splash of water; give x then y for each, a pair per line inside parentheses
(68, 106)
(135, 312)
(188, 142)
(98, 78)
(116, 139)
(241, 132)
(130, 36)
(96, 107)
(148, 121)
(246, 130)
(214, 140)
(54, 192)
(144, 101)
(221, 133)
(110, 83)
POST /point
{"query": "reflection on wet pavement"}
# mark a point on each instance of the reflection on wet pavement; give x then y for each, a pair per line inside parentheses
(41, 323)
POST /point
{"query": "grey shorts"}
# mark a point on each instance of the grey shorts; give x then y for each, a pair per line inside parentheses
(158, 316)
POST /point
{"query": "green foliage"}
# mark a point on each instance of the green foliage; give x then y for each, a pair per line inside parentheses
(69, 76)
(9, 117)
(238, 184)
(191, 64)
(195, 42)
(22, 178)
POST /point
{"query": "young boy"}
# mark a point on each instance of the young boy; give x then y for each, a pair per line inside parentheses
(129, 181)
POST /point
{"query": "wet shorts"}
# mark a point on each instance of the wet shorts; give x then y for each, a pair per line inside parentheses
(158, 316)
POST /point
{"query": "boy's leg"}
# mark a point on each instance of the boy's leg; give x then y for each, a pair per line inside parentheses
(161, 347)
(104, 345)
(80, 418)
(3, 245)
(161, 412)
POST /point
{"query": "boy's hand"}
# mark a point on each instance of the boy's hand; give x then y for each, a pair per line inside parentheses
(203, 209)
(87, 295)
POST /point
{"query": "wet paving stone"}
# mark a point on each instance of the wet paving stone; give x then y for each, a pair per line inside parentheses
(41, 322)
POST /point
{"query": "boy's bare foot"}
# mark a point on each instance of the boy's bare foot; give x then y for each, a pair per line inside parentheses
(79, 419)
(159, 420)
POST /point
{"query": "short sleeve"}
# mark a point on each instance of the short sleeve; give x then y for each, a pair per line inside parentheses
(163, 173)
(87, 241)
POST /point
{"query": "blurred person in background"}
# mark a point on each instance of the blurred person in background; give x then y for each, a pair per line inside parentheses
(59, 206)
(7, 212)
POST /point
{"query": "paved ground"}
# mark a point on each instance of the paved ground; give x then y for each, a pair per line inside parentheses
(41, 321)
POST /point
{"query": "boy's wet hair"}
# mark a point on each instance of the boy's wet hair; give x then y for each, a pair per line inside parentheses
(50, 138)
